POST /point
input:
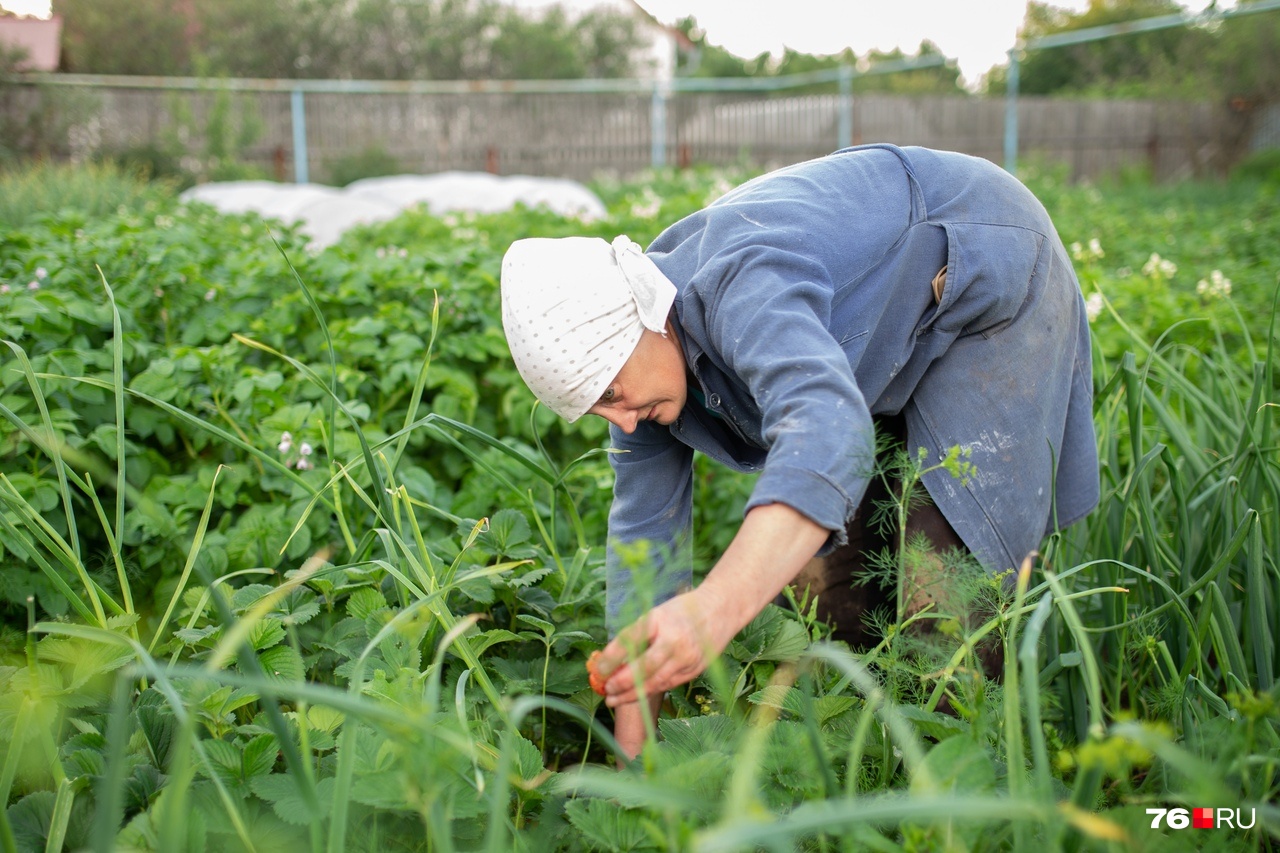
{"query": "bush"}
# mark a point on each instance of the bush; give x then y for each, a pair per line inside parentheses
(153, 162)
(1261, 166)
(90, 189)
(372, 162)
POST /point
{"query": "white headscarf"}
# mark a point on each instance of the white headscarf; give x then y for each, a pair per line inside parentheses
(574, 309)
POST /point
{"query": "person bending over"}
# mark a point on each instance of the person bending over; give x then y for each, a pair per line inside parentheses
(925, 291)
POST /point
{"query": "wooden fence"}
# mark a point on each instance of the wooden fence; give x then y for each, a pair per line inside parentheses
(585, 134)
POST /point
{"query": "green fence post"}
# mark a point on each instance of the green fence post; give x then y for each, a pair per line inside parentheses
(1011, 116)
(658, 127)
(301, 170)
(845, 132)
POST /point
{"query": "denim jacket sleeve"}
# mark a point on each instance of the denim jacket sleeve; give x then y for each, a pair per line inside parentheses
(648, 558)
(770, 324)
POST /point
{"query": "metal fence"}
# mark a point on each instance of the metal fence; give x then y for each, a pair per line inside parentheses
(583, 129)
(1210, 16)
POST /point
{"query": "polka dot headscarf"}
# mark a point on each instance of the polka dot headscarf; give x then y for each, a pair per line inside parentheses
(574, 309)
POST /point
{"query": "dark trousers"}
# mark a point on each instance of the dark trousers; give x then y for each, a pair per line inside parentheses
(845, 598)
(857, 607)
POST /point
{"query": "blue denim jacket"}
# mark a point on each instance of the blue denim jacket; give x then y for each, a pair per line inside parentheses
(805, 307)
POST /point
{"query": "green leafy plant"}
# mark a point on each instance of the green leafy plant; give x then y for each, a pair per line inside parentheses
(293, 561)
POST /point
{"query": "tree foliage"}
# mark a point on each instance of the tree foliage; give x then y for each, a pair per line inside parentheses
(710, 60)
(123, 37)
(344, 39)
(940, 79)
(1234, 59)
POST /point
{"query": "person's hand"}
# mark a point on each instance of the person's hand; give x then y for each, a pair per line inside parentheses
(673, 643)
(630, 728)
(669, 646)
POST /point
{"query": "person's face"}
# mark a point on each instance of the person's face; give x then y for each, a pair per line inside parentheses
(650, 387)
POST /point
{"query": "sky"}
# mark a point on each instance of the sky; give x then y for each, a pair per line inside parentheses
(977, 33)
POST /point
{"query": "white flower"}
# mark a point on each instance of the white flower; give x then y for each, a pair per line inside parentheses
(41, 273)
(1158, 267)
(34, 285)
(1093, 306)
(1091, 252)
(209, 295)
(304, 449)
(1217, 286)
(4, 288)
(648, 205)
(304, 464)
(286, 443)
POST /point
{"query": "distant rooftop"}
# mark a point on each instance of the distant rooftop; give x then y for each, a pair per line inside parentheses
(39, 38)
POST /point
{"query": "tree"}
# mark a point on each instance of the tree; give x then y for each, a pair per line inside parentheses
(940, 79)
(1233, 59)
(1135, 64)
(705, 59)
(344, 39)
(1245, 61)
(123, 37)
(608, 41)
(709, 60)
(249, 38)
(599, 44)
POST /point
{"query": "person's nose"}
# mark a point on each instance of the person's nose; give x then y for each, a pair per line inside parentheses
(623, 419)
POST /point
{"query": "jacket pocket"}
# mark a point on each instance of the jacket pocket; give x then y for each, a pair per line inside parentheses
(989, 273)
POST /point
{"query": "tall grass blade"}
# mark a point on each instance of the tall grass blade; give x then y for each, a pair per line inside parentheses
(54, 576)
(1226, 641)
(268, 459)
(1041, 766)
(160, 679)
(175, 800)
(1015, 747)
(56, 546)
(37, 393)
(196, 543)
(9, 769)
(332, 387)
(1258, 593)
(117, 380)
(65, 799)
(109, 790)
(419, 385)
(378, 488)
(248, 662)
(810, 818)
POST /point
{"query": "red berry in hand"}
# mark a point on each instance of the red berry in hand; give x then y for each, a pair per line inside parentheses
(597, 683)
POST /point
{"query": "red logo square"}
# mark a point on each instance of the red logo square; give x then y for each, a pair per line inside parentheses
(1202, 818)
